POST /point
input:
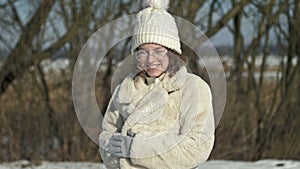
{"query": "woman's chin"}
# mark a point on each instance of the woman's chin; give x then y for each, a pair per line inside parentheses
(154, 72)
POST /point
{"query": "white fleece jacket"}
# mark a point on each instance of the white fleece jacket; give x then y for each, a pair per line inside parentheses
(172, 123)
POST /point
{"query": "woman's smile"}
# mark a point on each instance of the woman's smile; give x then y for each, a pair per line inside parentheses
(153, 59)
(154, 66)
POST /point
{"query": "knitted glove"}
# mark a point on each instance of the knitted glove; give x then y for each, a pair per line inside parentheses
(119, 145)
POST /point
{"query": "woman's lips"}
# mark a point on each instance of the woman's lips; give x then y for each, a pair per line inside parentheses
(155, 66)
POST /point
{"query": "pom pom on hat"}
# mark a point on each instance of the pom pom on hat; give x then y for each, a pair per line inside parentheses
(157, 4)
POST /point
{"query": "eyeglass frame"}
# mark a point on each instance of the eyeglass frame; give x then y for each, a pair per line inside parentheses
(155, 53)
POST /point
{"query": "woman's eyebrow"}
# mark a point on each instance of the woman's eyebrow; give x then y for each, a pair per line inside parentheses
(159, 47)
(141, 48)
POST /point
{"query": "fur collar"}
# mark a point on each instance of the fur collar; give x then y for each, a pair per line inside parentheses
(132, 88)
(175, 82)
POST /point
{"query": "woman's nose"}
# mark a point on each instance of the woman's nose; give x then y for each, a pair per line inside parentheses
(150, 57)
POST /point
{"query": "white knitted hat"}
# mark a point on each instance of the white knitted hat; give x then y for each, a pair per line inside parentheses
(156, 25)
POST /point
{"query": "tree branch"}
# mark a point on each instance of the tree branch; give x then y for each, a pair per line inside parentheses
(18, 60)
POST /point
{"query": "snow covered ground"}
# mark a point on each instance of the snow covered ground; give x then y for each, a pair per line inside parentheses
(217, 164)
(262, 164)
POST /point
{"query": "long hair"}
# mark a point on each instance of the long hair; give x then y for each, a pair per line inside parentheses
(176, 61)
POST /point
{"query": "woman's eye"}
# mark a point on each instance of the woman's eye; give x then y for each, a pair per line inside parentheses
(143, 53)
(159, 51)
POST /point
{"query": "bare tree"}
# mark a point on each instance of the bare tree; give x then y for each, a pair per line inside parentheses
(60, 28)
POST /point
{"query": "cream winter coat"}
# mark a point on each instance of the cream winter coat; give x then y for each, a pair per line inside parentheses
(172, 122)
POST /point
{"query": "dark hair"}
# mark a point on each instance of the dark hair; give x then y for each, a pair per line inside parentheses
(176, 61)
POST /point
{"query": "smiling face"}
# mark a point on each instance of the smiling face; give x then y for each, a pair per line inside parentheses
(153, 59)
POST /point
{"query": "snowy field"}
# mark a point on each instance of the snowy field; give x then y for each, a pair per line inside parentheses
(218, 164)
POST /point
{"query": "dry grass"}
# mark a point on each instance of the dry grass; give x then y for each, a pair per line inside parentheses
(28, 132)
(26, 128)
(237, 133)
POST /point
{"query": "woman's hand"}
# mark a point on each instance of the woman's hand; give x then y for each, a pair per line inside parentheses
(119, 145)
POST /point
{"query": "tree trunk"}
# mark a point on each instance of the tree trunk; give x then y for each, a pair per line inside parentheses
(20, 58)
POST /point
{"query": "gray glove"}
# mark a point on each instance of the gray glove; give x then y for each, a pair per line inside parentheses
(119, 145)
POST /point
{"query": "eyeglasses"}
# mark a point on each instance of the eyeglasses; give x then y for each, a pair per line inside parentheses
(159, 54)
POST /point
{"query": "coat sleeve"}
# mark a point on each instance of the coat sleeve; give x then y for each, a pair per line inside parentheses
(111, 124)
(193, 144)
